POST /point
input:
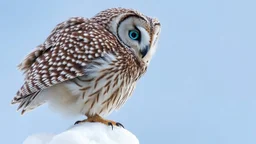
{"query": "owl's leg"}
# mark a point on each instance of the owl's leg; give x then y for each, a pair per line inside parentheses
(97, 118)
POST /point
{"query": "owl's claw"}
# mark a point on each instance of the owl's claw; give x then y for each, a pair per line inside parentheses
(78, 122)
(119, 125)
(110, 124)
(97, 118)
(116, 124)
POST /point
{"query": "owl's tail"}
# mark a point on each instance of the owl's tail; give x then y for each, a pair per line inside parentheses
(24, 101)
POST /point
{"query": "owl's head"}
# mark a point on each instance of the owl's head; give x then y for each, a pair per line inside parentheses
(134, 30)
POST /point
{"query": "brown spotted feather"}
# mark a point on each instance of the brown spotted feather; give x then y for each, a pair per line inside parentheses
(82, 60)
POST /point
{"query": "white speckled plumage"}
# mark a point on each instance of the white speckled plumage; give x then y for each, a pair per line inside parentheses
(89, 66)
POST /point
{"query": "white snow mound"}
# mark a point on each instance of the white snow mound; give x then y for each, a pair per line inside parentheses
(86, 133)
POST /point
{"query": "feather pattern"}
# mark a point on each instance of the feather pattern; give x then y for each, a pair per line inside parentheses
(83, 68)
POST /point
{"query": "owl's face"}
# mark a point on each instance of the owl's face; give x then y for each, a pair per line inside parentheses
(133, 30)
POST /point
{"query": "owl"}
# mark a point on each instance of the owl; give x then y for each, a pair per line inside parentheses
(89, 66)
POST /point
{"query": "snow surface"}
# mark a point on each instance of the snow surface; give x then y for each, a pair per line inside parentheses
(86, 133)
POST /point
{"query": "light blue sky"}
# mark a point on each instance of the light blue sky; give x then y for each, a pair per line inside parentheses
(199, 89)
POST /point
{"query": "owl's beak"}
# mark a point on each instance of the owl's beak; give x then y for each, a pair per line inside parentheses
(144, 51)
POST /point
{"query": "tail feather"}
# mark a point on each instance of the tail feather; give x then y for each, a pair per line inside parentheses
(24, 101)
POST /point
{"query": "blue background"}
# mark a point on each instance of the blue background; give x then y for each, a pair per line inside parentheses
(199, 88)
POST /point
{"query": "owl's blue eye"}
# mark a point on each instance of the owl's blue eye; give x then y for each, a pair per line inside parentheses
(134, 34)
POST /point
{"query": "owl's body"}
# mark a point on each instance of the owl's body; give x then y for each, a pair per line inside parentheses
(87, 66)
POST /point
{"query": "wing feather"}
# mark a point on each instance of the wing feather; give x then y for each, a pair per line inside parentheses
(50, 41)
(63, 56)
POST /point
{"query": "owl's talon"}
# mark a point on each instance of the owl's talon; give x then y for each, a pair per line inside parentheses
(97, 118)
(119, 125)
(78, 122)
(110, 124)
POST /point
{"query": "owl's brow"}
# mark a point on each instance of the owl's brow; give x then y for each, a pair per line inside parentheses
(157, 24)
(130, 15)
(138, 16)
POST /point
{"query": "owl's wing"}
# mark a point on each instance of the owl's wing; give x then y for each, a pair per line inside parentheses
(65, 55)
(50, 42)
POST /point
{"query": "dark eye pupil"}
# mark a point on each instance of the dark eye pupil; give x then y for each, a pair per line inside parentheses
(134, 34)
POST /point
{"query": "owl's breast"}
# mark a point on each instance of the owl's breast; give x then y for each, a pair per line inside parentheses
(101, 94)
(106, 85)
